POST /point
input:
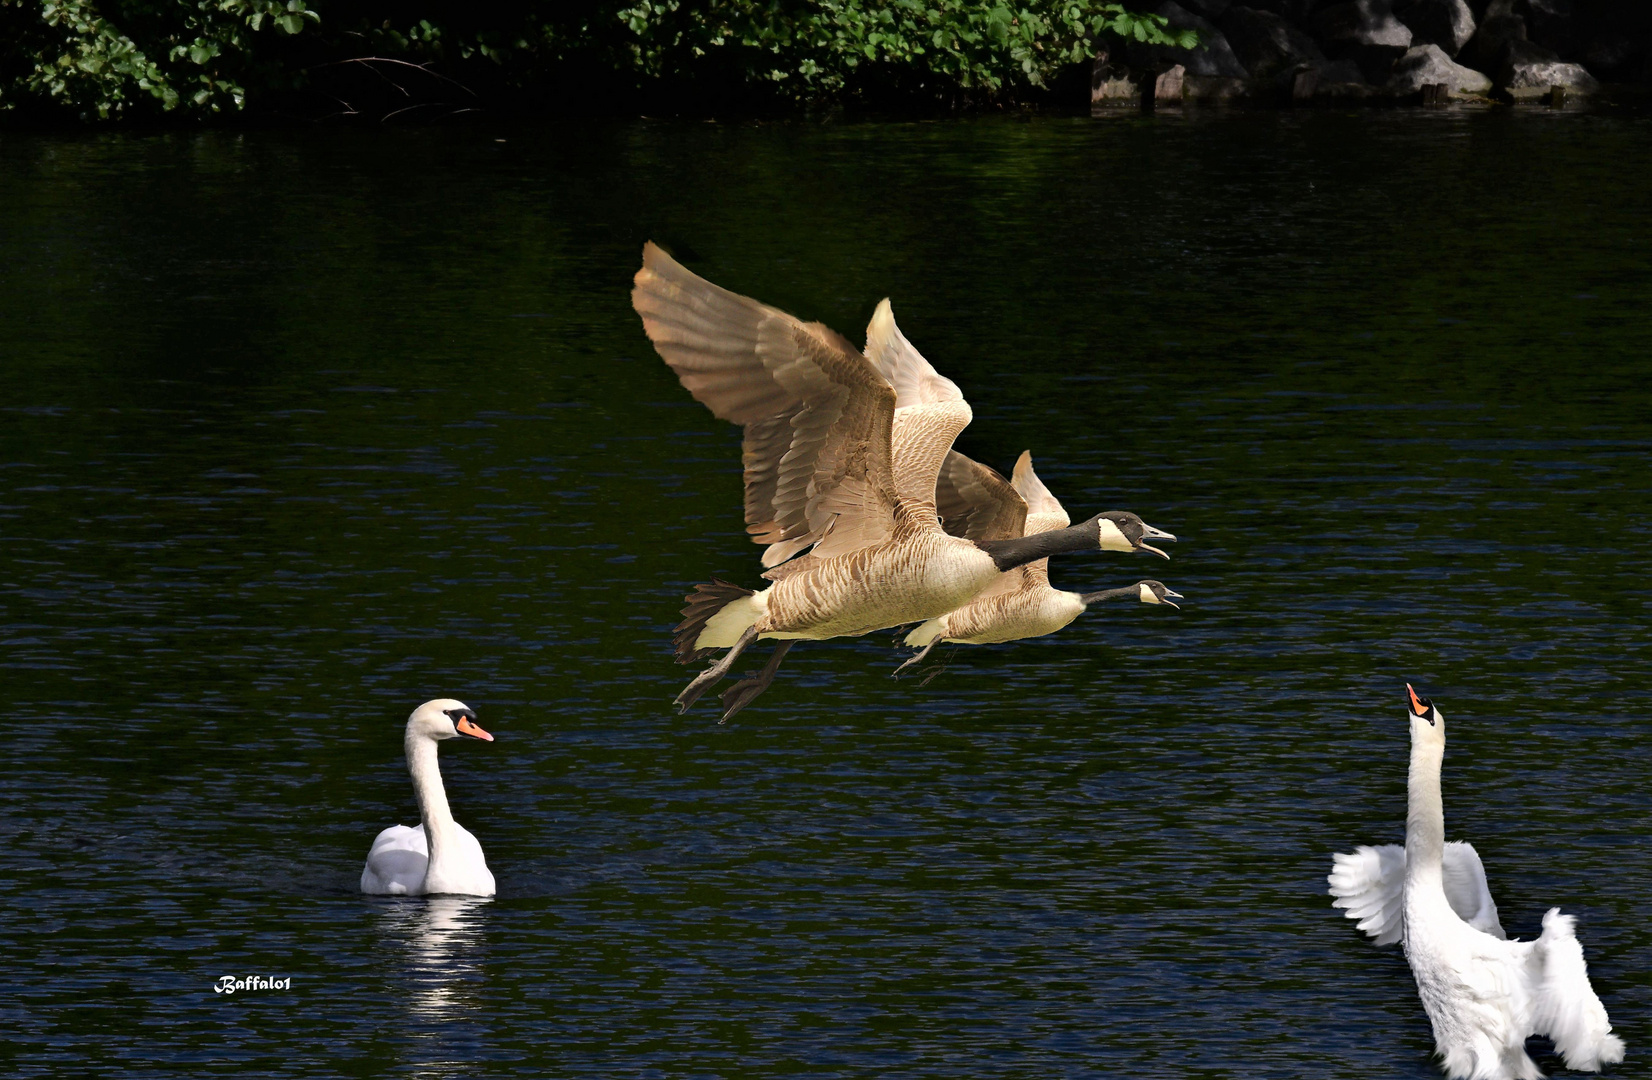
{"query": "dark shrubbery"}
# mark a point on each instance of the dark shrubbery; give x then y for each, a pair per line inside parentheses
(106, 59)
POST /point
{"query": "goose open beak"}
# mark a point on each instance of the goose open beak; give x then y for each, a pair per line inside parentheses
(1148, 532)
(466, 726)
(1168, 593)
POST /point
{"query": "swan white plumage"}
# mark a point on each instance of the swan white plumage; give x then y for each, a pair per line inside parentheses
(438, 855)
(1483, 994)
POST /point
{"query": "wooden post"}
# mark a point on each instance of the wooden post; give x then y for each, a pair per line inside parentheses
(1149, 90)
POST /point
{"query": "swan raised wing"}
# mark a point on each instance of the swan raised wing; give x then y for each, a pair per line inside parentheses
(1369, 885)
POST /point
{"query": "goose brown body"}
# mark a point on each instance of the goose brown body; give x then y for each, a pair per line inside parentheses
(918, 573)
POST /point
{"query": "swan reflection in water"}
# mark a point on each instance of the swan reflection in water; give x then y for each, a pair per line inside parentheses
(441, 939)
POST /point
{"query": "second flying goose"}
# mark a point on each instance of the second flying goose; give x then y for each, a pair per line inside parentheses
(977, 503)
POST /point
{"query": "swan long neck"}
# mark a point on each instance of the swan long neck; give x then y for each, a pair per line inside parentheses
(1109, 594)
(1008, 554)
(427, 785)
(1425, 814)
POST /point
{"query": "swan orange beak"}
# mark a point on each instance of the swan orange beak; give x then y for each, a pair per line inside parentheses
(466, 726)
(1417, 707)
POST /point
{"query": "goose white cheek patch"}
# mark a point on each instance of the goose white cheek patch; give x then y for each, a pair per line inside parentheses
(1111, 538)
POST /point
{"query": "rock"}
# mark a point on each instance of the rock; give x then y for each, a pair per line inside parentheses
(1614, 58)
(1376, 62)
(1111, 86)
(1446, 23)
(1527, 65)
(1550, 24)
(1295, 11)
(1484, 50)
(1361, 22)
(1214, 56)
(1428, 64)
(1168, 86)
(1344, 91)
(1208, 9)
(1213, 88)
(1267, 44)
(1340, 73)
(1366, 32)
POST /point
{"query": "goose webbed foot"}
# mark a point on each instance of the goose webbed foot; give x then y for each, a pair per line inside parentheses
(745, 691)
(915, 658)
(713, 674)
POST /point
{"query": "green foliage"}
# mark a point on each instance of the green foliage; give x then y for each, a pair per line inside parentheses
(818, 48)
(103, 59)
(108, 59)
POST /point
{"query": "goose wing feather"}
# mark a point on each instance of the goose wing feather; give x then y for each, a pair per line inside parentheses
(930, 410)
(817, 413)
(915, 379)
(976, 502)
(1369, 885)
(1044, 510)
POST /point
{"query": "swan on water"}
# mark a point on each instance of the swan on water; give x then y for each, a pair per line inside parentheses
(439, 855)
(1483, 993)
(841, 451)
(977, 503)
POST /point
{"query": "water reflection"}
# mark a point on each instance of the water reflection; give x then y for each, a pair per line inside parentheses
(440, 939)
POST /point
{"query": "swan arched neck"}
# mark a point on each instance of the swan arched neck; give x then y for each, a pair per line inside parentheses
(432, 796)
(1110, 594)
(1021, 550)
(1425, 814)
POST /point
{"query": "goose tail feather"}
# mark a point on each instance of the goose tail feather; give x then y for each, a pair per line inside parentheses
(705, 601)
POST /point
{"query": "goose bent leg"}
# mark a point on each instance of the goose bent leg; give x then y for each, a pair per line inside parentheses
(917, 656)
(704, 680)
(745, 691)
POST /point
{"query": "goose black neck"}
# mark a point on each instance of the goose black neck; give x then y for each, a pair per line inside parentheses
(1108, 594)
(1008, 554)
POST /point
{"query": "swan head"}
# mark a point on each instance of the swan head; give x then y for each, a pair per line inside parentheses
(445, 718)
(1426, 721)
(1120, 530)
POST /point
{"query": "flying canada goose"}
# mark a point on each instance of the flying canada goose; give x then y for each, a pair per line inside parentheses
(438, 855)
(1483, 993)
(841, 452)
(977, 503)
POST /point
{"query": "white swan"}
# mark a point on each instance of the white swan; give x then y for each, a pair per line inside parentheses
(439, 855)
(1483, 994)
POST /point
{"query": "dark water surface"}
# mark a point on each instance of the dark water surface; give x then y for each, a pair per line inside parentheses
(301, 429)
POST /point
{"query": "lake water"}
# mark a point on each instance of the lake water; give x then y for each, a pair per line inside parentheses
(303, 428)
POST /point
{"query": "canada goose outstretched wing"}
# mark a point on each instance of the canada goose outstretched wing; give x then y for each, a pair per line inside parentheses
(930, 410)
(976, 502)
(1044, 510)
(817, 413)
